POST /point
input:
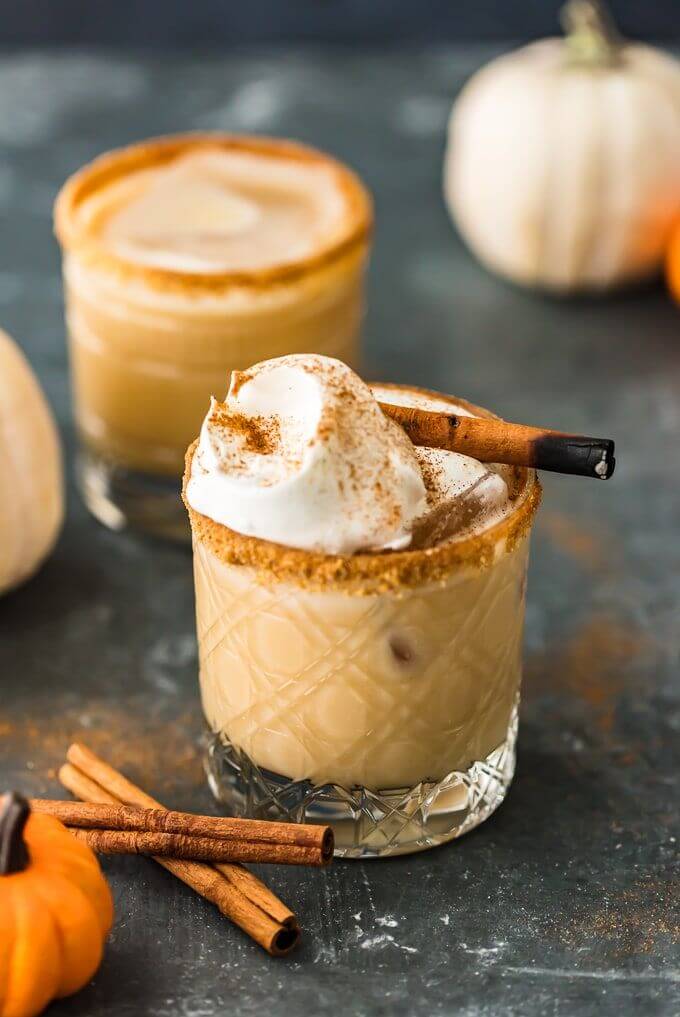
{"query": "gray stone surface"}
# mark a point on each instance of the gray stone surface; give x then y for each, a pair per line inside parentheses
(565, 902)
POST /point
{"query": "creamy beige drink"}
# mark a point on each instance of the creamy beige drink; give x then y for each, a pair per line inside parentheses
(184, 258)
(359, 608)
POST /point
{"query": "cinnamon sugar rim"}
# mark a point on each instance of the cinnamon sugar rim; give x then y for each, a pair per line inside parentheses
(118, 163)
(368, 573)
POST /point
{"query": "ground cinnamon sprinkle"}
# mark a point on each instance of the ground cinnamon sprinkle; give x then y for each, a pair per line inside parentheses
(590, 666)
(429, 479)
(159, 749)
(368, 573)
(260, 434)
(634, 919)
(592, 547)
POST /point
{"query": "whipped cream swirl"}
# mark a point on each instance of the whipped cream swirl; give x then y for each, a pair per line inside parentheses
(301, 454)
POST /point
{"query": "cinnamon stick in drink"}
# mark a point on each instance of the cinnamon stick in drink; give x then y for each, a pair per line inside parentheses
(236, 892)
(498, 441)
(210, 838)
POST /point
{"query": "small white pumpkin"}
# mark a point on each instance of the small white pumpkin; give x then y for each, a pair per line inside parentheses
(563, 162)
(31, 484)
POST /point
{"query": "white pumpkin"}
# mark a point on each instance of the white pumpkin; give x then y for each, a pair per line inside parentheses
(31, 486)
(563, 160)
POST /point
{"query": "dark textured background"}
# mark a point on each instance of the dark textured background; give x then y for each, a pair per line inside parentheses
(229, 24)
(564, 904)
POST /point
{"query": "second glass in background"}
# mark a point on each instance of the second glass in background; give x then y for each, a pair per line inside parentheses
(186, 258)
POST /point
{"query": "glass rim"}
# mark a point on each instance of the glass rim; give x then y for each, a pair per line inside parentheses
(74, 238)
(367, 573)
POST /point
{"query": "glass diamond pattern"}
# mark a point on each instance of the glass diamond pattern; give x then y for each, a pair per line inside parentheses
(367, 823)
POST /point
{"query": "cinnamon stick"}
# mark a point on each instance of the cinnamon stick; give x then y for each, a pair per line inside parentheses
(198, 849)
(210, 838)
(237, 893)
(498, 441)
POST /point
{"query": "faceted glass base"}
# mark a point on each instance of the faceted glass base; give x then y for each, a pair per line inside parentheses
(121, 498)
(367, 824)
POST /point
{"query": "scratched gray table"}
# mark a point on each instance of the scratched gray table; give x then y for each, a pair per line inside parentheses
(566, 901)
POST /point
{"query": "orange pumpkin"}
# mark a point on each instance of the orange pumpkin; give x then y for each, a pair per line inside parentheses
(55, 910)
(673, 262)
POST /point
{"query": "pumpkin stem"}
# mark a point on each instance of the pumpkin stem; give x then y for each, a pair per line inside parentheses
(591, 35)
(14, 811)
